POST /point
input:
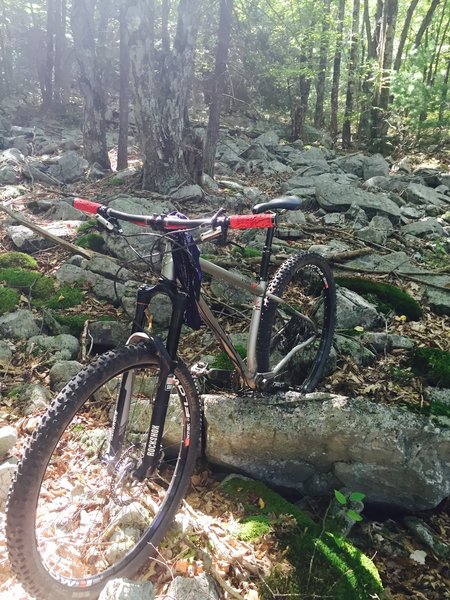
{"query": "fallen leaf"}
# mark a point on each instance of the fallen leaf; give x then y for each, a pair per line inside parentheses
(418, 556)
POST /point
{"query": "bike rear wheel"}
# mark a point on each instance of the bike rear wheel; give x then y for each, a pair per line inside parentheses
(306, 283)
(73, 520)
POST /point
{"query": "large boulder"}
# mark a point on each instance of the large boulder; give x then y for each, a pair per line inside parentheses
(320, 442)
(335, 197)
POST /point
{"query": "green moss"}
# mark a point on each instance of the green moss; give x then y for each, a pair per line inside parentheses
(17, 259)
(75, 323)
(433, 365)
(386, 297)
(65, 297)
(440, 409)
(9, 299)
(87, 226)
(317, 563)
(92, 241)
(222, 361)
(253, 528)
(30, 282)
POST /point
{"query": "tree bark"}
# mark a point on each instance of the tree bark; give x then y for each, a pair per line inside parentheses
(124, 92)
(220, 71)
(323, 59)
(351, 83)
(47, 96)
(385, 57)
(60, 85)
(334, 100)
(425, 23)
(91, 83)
(404, 34)
(161, 86)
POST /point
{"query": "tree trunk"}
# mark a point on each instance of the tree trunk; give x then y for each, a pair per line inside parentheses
(385, 57)
(220, 71)
(404, 34)
(59, 88)
(323, 59)
(351, 83)
(426, 22)
(124, 93)
(91, 83)
(161, 85)
(47, 96)
(334, 100)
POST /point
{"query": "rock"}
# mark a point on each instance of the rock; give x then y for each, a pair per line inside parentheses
(332, 247)
(228, 294)
(375, 166)
(62, 372)
(18, 325)
(27, 240)
(102, 287)
(312, 135)
(439, 300)
(417, 193)
(354, 348)
(201, 587)
(209, 183)
(334, 197)
(8, 175)
(352, 164)
(123, 589)
(337, 219)
(187, 192)
(429, 229)
(6, 352)
(269, 139)
(33, 397)
(106, 335)
(8, 439)
(63, 211)
(353, 310)
(54, 348)
(70, 167)
(397, 458)
(428, 536)
(7, 470)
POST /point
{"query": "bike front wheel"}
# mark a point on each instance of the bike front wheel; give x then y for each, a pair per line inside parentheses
(74, 520)
(305, 282)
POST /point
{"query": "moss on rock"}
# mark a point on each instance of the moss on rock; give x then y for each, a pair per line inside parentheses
(9, 299)
(92, 241)
(29, 282)
(433, 365)
(386, 297)
(17, 259)
(317, 563)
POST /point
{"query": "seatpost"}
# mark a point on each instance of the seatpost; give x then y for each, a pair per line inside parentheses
(266, 254)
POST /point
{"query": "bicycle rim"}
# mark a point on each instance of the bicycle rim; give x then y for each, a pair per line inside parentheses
(94, 521)
(306, 283)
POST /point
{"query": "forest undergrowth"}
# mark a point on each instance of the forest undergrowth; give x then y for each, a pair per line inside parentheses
(211, 546)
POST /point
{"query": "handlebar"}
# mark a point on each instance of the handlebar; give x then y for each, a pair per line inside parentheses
(168, 223)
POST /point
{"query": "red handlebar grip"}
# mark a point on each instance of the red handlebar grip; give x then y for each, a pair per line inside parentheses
(86, 205)
(264, 220)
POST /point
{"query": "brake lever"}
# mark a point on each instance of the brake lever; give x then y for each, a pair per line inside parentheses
(111, 224)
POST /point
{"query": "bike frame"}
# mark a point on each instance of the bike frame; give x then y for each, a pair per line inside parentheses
(247, 370)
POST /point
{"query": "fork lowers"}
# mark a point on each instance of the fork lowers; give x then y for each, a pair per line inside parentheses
(306, 283)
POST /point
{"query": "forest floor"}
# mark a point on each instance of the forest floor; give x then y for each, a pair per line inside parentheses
(406, 573)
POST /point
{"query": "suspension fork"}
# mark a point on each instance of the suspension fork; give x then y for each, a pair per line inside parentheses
(167, 364)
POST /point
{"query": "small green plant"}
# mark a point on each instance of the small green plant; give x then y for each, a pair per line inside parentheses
(349, 508)
(223, 362)
(65, 297)
(9, 299)
(17, 259)
(388, 298)
(433, 365)
(401, 376)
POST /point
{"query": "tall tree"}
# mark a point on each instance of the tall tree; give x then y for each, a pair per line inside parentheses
(323, 59)
(161, 83)
(334, 99)
(124, 90)
(404, 34)
(91, 82)
(220, 72)
(385, 58)
(352, 78)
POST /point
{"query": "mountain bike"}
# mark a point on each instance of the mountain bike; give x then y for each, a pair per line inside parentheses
(105, 471)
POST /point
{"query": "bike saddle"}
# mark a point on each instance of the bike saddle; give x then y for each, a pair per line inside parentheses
(286, 202)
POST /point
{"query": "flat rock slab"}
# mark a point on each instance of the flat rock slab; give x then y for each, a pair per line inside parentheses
(320, 442)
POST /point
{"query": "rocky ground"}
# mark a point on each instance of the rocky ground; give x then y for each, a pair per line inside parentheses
(368, 215)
